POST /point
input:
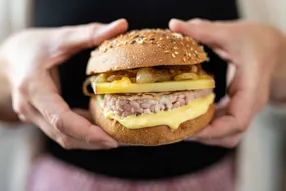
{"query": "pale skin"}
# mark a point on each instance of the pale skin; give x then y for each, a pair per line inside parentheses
(28, 64)
(29, 88)
(257, 52)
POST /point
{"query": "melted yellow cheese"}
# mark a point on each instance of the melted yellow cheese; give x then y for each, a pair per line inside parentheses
(172, 118)
(125, 86)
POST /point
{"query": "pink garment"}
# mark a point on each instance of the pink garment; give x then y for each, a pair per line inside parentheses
(49, 174)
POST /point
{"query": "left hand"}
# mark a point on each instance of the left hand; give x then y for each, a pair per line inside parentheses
(254, 50)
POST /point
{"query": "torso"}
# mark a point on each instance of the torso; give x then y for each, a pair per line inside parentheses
(133, 162)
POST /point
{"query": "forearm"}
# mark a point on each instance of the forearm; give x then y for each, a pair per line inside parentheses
(6, 111)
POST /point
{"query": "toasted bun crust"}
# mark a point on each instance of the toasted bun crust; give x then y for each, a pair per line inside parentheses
(151, 136)
(145, 48)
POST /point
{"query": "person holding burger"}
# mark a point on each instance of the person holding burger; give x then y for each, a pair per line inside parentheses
(160, 116)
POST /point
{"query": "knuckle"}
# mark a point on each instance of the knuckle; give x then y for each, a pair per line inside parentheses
(65, 142)
(21, 87)
(232, 143)
(23, 118)
(56, 121)
(19, 108)
(58, 39)
(241, 128)
(242, 125)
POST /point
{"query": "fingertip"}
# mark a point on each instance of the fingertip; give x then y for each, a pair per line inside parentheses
(123, 20)
(176, 21)
(122, 23)
(109, 145)
(96, 134)
(197, 21)
(203, 134)
(176, 24)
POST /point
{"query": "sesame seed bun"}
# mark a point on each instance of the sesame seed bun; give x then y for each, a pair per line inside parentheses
(149, 136)
(145, 48)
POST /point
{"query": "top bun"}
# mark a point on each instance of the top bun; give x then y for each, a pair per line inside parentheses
(145, 48)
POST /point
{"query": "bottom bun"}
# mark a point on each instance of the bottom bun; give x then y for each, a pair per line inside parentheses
(149, 136)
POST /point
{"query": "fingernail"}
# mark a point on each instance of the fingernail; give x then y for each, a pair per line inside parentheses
(191, 139)
(177, 20)
(116, 21)
(109, 145)
(107, 27)
(196, 21)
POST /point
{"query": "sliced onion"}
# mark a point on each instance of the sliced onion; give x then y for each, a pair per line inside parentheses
(186, 76)
(145, 75)
(113, 77)
(194, 69)
(151, 75)
(120, 74)
(100, 78)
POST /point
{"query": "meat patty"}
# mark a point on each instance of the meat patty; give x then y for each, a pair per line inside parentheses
(145, 103)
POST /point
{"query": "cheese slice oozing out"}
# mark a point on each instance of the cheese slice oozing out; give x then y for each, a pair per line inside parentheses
(172, 118)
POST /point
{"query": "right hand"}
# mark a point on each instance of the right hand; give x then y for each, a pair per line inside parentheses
(27, 60)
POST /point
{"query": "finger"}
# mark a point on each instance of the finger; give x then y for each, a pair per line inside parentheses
(21, 106)
(210, 33)
(227, 142)
(54, 73)
(230, 73)
(87, 36)
(63, 140)
(237, 114)
(44, 96)
(84, 113)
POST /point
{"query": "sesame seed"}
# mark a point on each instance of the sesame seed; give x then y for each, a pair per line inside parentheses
(167, 51)
(173, 55)
(178, 35)
(140, 41)
(184, 59)
(177, 53)
(175, 47)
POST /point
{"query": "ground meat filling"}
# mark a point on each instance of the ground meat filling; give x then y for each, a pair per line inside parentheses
(146, 103)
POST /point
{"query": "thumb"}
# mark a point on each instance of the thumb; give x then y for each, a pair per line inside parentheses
(206, 32)
(84, 113)
(87, 36)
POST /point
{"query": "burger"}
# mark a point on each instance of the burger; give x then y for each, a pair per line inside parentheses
(149, 88)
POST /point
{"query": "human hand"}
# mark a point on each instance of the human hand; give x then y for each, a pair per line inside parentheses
(28, 61)
(254, 50)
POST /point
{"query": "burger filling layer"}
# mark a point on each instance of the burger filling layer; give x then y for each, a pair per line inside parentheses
(147, 103)
(147, 97)
(136, 111)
